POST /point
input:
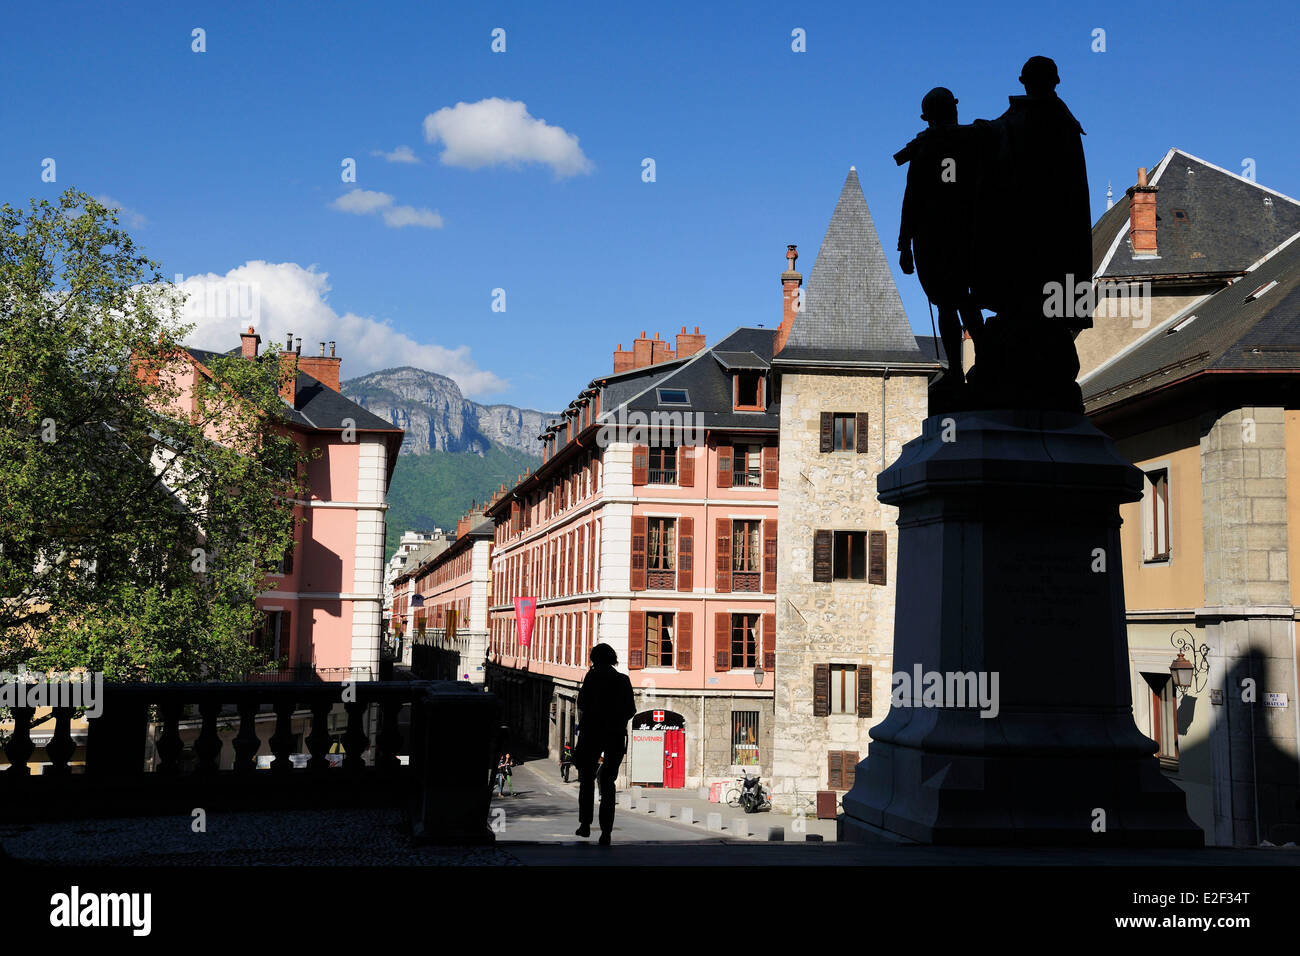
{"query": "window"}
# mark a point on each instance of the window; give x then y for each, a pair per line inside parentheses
(1155, 507)
(1162, 718)
(749, 391)
(746, 550)
(674, 396)
(658, 639)
(844, 689)
(1180, 217)
(744, 641)
(744, 737)
(662, 466)
(849, 556)
(661, 553)
(267, 638)
(850, 562)
(747, 466)
(842, 435)
(844, 431)
(841, 769)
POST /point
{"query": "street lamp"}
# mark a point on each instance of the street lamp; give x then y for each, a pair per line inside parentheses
(1188, 674)
(758, 675)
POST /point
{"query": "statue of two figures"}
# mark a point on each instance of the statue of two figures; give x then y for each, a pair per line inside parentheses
(996, 218)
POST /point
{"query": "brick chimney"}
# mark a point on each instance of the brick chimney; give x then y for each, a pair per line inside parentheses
(324, 368)
(289, 370)
(790, 283)
(688, 343)
(660, 351)
(1142, 216)
(622, 360)
(642, 349)
(249, 341)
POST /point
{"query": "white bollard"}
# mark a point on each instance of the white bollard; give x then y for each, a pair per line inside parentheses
(715, 822)
(739, 828)
(686, 815)
(662, 809)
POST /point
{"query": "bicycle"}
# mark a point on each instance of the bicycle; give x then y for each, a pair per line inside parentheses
(735, 791)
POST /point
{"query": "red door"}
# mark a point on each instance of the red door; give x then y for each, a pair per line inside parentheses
(675, 758)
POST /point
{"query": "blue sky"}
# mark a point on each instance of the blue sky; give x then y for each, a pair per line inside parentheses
(233, 155)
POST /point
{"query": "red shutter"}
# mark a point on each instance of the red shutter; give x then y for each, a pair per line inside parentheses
(769, 642)
(591, 566)
(769, 555)
(860, 434)
(770, 472)
(835, 770)
(821, 690)
(876, 557)
(685, 559)
(828, 431)
(686, 466)
(721, 642)
(823, 541)
(568, 568)
(724, 466)
(638, 552)
(722, 578)
(684, 641)
(864, 690)
(635, 640)
(579, 586)
(640, 465)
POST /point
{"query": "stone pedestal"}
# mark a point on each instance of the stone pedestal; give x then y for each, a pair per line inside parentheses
(1010, 581)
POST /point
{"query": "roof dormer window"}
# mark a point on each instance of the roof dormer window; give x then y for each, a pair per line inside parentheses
(750, 391)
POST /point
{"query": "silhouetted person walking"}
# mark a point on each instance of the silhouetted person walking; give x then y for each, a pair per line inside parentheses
(605, 705)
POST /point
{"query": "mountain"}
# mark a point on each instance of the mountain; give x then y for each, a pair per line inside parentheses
(437, 417)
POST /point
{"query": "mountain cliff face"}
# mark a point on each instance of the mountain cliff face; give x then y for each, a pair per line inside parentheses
(437, 417)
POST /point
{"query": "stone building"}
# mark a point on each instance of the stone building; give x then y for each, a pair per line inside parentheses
(852, 381)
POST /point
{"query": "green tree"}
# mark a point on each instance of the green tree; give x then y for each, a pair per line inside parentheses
(136, 522)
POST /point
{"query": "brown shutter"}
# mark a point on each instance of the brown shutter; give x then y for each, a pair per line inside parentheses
(835, 770)
(770, 472)
(724, 466)
(635, 640)
(686, 466)
(722, 579)
(864, 690)
(684, 641)
(850, 758)
(638, 552)
(828, 431)
(685, 559)
(721, 642)
(579, 576)
(876, 557)
(860, 434)
(822, 545)
(769, 555)
(570, 575)
(286, 634)
(821, 690)
(769, 642)
(640, 465)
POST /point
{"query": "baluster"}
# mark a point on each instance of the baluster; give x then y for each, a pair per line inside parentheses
(389, 740)
(208, 745)
(354, 739)
(169, 744)
(246, 743)
(20, 747)
(282, 739)
(61, 746)
(318, 741)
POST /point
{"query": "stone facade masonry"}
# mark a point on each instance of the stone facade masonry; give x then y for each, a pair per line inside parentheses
(843, 622)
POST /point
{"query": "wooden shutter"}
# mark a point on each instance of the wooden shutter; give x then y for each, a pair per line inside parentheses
(835, 770)
(721, 642)
(769, 555)
(580, 578)
(864, 690)
(685, 559)
(860, 434)
(724, 466)
(638, 552)
(876, 557)
(770, 467)
(850, 758)
(823, 541)
(640, 465)
(722, 578)
(828, 431)
(286, 634)
(684, 641)
(635, 640)
(686, 466)
(821, 690)
(769, 642)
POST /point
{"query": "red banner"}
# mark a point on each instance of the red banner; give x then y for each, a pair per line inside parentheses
(525, 615)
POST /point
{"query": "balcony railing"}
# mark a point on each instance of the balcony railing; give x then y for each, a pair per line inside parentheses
(746, 479)
(661, 580)
(307, 673)
(746, 581)
(662, 476)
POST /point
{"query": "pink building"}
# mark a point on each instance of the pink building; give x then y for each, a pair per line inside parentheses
(322, 614)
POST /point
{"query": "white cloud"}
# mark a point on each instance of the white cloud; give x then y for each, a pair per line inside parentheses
(495, 132)
(403, 154)
(125, 215)
(282, 297)
(365, 202)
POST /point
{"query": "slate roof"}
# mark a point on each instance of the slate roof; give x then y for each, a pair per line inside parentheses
(1230, 223)
(852, 312)
(1231, 332)
(740, 360)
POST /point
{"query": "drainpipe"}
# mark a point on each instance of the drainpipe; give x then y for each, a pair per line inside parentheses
(882, 418)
